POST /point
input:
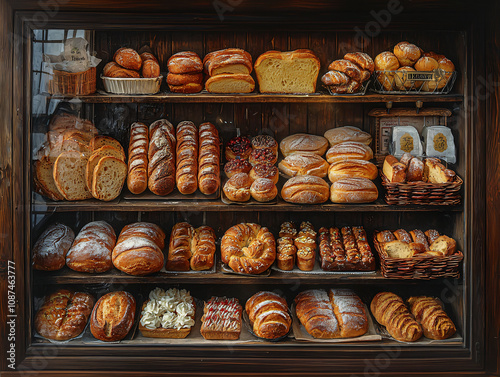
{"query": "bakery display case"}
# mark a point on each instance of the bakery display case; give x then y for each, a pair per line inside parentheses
(160, 268)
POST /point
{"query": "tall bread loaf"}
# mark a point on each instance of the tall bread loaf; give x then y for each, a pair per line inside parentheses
(63, 314)
(137, 177)
(209, 159)
(161, 157)
(305, 189)
(390, 311)
(113, 316)
(186, 173)
(92, 248)
(139, 249)
(49, 251)
(353, 190)
(303, 143)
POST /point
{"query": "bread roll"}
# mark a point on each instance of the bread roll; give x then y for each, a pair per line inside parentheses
(435, 172)
(49, 251)
(402, 235)
(263, 190)
(138, 250)
(113, 316)
(263, 156)
(333, 78)
(268, 315)
(145, 56)
(386, 61)
(419, 237)
(150, 68)
(186, 171)
(236, 166)
(352, 168)
(287, 72)
(303, 143)
(209, 159)
(407, 53)
(426, 64)
(185, 62)
(63, 314)
(362, 59)
(128, 58)
(305, 189)
(248, 248)
(390, 311)
(353, 190)
(92, 248)
(402, 82)
(393, 170)
(345, 66)
(415, 171)
(347, 133)
(237, 188)
(304, 163)
(349, 150)
(239, 146)
(265, 141)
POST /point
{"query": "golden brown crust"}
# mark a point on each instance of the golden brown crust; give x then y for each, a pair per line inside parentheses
(407, 53)
(237, 165)
(353, 190)
(304, 163)
(186, 88)
(237, 188)
(128, 58)
(263, 190)
(362, 59)
(303, 143)
(348, 68)
(332, 78)
(386, 61)
(64, 314)
(393, 170)
(265, 171)
(113, 316)
(114, 70)
(161, 157)
(305, 189)
(248, 248)
(349, 150)
(176, 79)
(434, 321)
(186, 173)
(137, 177)
(209, 159)
(230, 83)
(185, 62)
(268, 315)
(150, 68)
(347, 133)
(352, 168)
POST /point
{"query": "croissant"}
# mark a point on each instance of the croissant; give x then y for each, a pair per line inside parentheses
(390, 311)
(268, 315)
(248, 248)
(435, 322)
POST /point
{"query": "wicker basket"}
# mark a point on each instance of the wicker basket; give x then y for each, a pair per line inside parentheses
(418, 267)
(403, 82)
(80, 83)
(422, 193)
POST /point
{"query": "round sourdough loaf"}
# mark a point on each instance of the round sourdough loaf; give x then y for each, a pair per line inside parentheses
(303, 143)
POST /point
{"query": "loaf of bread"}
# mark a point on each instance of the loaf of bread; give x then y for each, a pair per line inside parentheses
(304, 163)
(429, 313)
(402, 235)
(150, 68)
(363, 60)
(145, 56)
(186, 173)
(138, 250)
(209, 159)
(419, 237)
(128, 58)
(137, 177)
(287, 72)
(185, 62)
(338, 314)
(191, 248)
(349, 150)
(305, 189)
(390, 311)
(188, 88)
(443, 246)
(400, 249)
(353, 190)
(230, 83)
(394, 170)
(92, 248)
(228, 61)
(352, 168)
(402, 81)
(161, 157)
(113, 316)
(347, 133)
(177, 79)
(221, 319)
(63, 314)
(268, 315)
(415, 171)
(248, 248)
(168, 314)
(348, 68)
(49, 252)
(303, 143)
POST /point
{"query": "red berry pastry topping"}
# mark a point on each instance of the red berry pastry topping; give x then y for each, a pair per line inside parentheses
(239, 145)
(263, 155)
(264, 141)
(237, 165)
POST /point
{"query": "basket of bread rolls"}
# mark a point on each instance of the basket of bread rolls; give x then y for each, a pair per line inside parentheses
(411, 180)
(417, 254)
(132, 73)
(408, 70)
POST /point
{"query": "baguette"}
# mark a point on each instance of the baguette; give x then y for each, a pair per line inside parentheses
(186, 174)
(209, 159)
(137, 177)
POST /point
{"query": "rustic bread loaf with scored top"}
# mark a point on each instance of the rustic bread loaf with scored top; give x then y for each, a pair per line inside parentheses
(349, 150)
(304, 163)
(303, 143)
(305, 189)
(353, 190)
(137, 176)
(49, 252)
(347, 133)
(287, 72)
(352, 168)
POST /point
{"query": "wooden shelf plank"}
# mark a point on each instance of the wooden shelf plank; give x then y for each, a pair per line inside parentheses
(165, 97)
(41, 206)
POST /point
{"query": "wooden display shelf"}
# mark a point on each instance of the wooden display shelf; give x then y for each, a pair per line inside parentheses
(166, 97)
(114, 276)
(120, 204)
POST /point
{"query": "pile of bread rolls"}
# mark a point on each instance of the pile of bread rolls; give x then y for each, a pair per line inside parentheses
(162, 158)
(185, 72)
(127, 63)
(77, 164)
(392, 68)
(228, 71)
(347, 166)
(250, 169)
(413, 169)
(348, 74)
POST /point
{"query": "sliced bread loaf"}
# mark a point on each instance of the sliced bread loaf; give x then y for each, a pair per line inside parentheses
(230, 83)
(109, 177)
(287, 72)
(69, 175)
(44, 179)
(94, 159)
